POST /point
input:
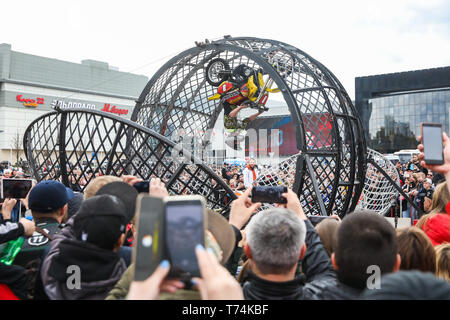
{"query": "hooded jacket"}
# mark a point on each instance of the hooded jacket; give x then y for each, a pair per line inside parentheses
(317, 269)
(99, 270)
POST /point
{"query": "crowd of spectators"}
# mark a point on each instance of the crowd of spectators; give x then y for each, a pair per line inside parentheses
(419, 184)
(277, 253)
(240, 177)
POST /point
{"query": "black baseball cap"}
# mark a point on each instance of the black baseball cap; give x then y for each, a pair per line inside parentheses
(48, 196)
(100, 221)
(124, 192)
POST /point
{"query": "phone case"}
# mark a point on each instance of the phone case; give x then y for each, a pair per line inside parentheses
(149, 248)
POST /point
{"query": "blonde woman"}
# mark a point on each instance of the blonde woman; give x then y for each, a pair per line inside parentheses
(441, 197)
(443, 261)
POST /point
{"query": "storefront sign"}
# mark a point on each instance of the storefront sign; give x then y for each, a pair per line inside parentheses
(72, 104)
(30, 102)
(114, 109)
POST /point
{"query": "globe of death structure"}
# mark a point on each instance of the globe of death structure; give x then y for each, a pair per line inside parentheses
(327, 170)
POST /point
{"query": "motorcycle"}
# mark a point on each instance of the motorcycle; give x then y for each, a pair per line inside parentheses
(242, 85)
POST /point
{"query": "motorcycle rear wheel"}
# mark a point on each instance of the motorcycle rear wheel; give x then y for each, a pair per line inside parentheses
(214, 71)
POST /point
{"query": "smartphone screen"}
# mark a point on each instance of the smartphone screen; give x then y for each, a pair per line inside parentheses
(149, 245)
(184, 230)
(432, 144)
(15, 188)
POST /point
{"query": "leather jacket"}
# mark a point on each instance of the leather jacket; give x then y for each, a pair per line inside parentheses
(318, 273)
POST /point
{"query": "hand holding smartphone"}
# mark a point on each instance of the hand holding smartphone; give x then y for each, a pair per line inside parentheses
(15, 188)
(185, 221)
(432, 143)
(149, 244)
(269, 194)
(169, 229)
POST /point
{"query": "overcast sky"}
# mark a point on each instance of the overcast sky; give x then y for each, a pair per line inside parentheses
(351, 38)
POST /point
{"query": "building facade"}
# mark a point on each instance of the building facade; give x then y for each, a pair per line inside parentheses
(31, 86)
(392, 106)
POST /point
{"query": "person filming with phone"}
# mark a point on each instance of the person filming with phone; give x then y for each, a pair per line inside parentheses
(13, 278)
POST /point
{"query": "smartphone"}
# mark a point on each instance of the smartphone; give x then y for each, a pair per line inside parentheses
(15, 188)
(269, 194)
(185, 225)
(149, 249)
(142, 186)
(432, 142)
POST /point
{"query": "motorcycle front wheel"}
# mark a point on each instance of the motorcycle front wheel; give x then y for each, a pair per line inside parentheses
(217, 71)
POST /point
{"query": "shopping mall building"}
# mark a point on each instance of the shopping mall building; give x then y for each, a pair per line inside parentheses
(31, 86)
(392, 106)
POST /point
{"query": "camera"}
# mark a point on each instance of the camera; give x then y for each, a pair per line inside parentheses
(142, 186)
(169, 229)
(269, 194)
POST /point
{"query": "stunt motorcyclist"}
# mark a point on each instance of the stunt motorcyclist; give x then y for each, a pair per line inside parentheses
(246, 79)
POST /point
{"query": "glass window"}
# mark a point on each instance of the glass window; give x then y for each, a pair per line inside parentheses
(429, 97)
(380, 102)
(422, 111)
(397, 117)
(416, 98)
(437, 108)
(417, 121)
(441, 96)
(422, 98)
(407, 99)
(437, 118)
(396, 100)
(390, 101)
(435, 97)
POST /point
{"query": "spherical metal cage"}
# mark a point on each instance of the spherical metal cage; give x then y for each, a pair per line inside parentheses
(379, 194)
(329, 137)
